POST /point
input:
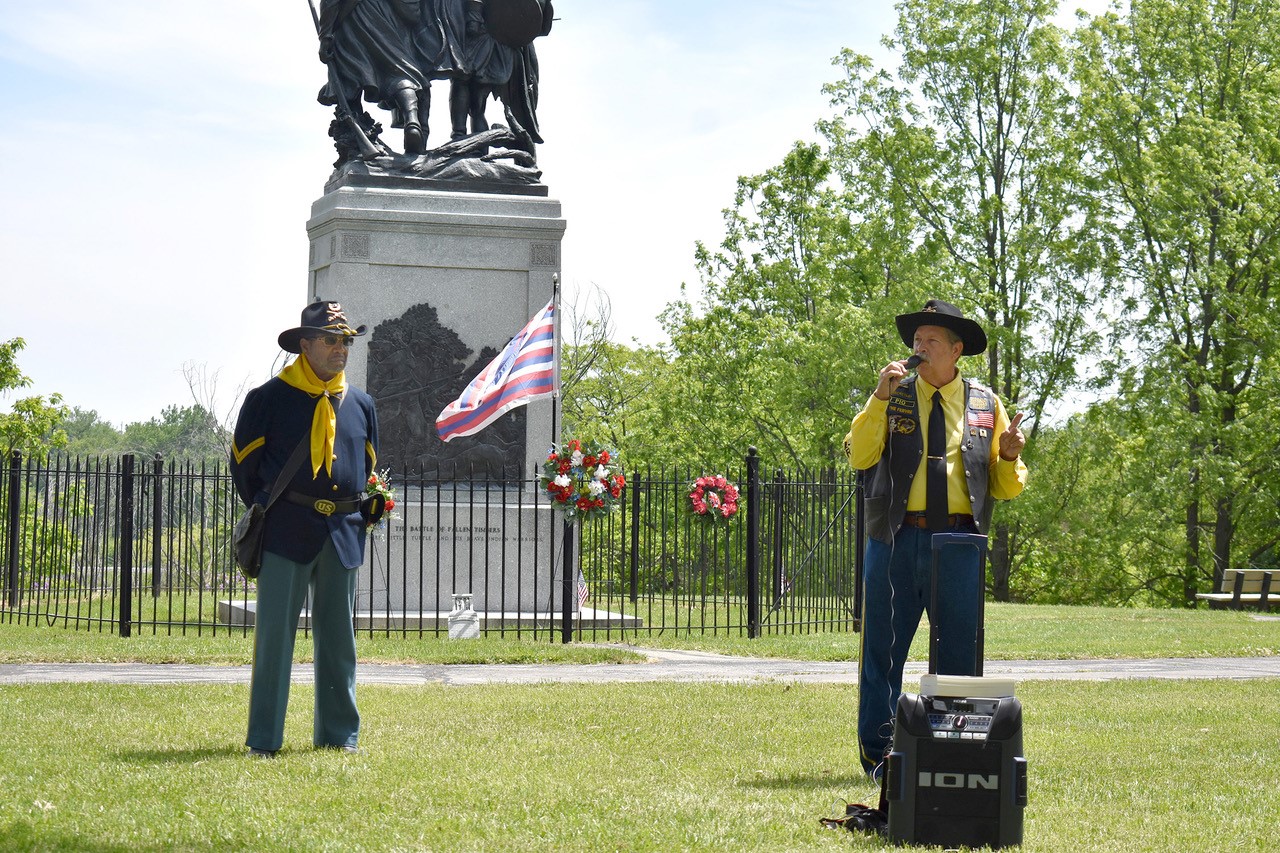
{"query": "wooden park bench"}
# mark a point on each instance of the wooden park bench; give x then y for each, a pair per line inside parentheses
(1242, 587)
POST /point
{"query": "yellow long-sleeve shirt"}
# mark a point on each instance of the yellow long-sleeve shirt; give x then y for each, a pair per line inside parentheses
(865, 443)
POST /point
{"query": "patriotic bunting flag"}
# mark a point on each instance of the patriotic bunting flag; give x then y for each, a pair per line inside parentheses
(523, 371)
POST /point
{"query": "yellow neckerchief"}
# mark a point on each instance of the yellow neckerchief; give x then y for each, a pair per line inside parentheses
(324, 423)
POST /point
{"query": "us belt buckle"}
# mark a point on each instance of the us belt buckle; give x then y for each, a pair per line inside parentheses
(325, 507)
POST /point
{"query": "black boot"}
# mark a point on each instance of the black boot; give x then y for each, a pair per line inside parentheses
(458, 90)
(476, 98)
(415, 138)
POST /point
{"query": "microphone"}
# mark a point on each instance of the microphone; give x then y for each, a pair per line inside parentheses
(914, 362)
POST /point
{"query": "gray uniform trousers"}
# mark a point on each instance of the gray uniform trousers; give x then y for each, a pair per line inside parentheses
(282, 590)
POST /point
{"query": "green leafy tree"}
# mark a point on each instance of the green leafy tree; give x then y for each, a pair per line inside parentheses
(609, 391)
(31, 424)
(190, 431)
(1088, 530)
(618, 402)
(1179, 100)
(31, 428)
(971, 147)
(790, 326)
(89, 435)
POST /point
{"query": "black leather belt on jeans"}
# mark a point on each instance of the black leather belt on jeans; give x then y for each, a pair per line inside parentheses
(918, 519)
(324, 506)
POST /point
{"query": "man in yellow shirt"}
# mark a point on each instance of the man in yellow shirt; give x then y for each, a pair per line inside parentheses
(940, 450)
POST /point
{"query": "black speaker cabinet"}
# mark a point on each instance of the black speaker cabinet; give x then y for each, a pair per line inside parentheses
(956, 775)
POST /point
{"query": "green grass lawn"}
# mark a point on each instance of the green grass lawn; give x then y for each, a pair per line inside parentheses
(1037, 632)
(1128, 766)
(1119, 766)
(1013, 632)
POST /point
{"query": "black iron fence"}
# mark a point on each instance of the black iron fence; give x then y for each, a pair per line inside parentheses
(134, 545)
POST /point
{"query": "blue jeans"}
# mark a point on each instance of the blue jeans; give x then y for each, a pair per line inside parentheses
(896, 593)
(282, 590)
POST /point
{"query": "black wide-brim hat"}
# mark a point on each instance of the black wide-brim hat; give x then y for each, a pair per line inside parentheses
(944, 314)
(319, 318)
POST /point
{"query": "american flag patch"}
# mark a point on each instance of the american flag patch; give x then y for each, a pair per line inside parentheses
(982, 420)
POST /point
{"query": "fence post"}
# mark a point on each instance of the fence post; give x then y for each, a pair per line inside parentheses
(567, 584)
(13, 528)
(753, 543)
(777, 538)
(126, 545)
(634, 482)
(157, 475)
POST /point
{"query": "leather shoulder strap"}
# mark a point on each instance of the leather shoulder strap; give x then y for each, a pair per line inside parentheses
(290, 467)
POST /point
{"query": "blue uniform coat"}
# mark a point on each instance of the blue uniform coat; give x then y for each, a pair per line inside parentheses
(274, 418)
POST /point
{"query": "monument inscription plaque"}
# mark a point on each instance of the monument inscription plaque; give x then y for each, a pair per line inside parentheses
(501, 554)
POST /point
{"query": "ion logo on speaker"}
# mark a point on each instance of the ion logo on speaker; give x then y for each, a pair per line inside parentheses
(970, 781)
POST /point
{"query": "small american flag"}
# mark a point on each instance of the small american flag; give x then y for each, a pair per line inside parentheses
(982, 420)
(583, 592)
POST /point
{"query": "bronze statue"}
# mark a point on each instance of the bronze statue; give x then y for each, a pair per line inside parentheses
(388, 52)
(369, 49)
(501, 63)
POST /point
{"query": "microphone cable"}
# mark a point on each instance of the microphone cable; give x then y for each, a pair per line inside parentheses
(911, 363)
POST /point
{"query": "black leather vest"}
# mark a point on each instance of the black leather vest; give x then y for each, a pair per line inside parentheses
(890, 478)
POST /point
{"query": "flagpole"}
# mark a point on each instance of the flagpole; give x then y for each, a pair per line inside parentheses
(566, 529)
(555, 395)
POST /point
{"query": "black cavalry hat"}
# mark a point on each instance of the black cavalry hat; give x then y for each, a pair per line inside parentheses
(319, 318)
(939, 313)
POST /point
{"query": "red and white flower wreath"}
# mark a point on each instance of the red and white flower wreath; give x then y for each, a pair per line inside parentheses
(714, 499)
(584, 482)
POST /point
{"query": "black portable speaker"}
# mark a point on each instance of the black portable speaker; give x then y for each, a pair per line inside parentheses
(956, 775)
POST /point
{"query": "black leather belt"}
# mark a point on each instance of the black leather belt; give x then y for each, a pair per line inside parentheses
(918, 519)
(324, 506)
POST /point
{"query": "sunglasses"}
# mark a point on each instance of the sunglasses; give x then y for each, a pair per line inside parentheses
(334, 340)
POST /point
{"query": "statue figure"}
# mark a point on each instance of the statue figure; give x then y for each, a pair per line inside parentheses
(388, 52)
(502, 64)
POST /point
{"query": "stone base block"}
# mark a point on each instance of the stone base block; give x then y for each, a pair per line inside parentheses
(238, 612)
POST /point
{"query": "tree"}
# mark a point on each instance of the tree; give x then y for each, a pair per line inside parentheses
(89, 435)
(31, 424)
(30, 427)
(190, 431)
(617, 403)
(1180, 100)
(974, 143)
(611, 393)
(585, 331)
(221, 421)
(1088, 532)
(791, 321)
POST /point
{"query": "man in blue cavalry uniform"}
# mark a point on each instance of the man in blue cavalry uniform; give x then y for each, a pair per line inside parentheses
(315, 533)
(941, 451)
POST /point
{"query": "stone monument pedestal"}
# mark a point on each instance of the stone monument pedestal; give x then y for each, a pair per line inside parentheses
(443, 280)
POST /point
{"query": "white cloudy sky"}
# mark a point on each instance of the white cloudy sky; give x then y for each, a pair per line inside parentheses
(158, 160)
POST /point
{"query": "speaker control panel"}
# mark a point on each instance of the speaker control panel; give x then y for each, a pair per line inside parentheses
(960, 719)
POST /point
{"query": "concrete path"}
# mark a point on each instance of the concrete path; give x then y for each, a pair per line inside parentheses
(663, 665)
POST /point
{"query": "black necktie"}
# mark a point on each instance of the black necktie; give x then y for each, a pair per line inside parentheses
(935, 494)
